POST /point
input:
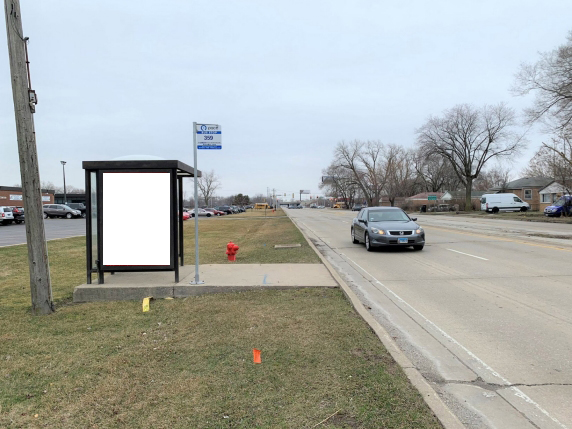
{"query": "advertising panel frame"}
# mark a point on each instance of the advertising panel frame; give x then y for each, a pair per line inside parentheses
(94, 171)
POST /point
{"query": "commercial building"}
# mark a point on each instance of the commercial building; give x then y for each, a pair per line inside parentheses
(12, 196)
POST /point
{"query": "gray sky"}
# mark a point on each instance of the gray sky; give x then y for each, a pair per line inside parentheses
(286, 80)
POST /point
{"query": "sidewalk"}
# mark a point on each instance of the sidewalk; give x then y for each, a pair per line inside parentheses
(217, 278)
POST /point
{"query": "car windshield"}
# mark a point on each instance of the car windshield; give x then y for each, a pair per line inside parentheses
(560, 203)
(382, 216)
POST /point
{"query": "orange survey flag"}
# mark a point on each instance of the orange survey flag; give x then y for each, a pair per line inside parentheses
(256, 354)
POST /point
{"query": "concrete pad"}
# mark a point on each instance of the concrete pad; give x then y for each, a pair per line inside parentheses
(556, 400)
(494, 411)
(217, 278)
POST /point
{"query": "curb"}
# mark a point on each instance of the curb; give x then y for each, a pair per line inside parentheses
(430, 396)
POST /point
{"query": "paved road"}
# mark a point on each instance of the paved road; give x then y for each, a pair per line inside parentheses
(483, 311)
(55, 228)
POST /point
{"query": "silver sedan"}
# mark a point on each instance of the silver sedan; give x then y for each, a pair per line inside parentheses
(386, 226)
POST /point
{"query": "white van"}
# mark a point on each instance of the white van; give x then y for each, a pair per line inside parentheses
(494, 203)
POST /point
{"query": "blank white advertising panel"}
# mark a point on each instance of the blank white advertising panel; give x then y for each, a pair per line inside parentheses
(136, 219)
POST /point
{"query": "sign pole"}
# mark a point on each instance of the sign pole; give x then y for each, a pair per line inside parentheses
(197, 280)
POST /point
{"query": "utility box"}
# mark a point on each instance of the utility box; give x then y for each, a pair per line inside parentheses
(120, 236)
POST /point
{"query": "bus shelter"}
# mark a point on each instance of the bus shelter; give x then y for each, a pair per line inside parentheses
(135, 216)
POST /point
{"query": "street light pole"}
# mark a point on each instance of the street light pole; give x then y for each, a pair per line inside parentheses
(65, 194)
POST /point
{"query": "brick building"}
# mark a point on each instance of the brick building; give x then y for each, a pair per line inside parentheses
(12, 196)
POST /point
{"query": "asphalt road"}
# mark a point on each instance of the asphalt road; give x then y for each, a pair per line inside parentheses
(483, 311)
(55, 228)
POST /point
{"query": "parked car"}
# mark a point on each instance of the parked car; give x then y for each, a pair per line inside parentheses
(494, 203)
(6, 215)
(202, 212)
(561, 207)
(18, 213)
(215, 212)
(60, 210)
(225, 209)
(78, 206)
(386, 226)
(186, 215)
(357, 207)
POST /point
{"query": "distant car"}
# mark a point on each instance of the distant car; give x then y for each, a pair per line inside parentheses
(60, 210)
(561, 207)
(6, 215)
(215, 212)
(18, 213)
(386, 226)
(494, 203)
(78, 206)
(357, 207)
(202, 212)
(226, 209)
(186, 215)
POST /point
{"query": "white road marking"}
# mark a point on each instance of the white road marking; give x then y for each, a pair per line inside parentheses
(468, 254)
(519, 393)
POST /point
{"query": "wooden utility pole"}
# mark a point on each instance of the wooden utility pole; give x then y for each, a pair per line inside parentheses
(24, 106)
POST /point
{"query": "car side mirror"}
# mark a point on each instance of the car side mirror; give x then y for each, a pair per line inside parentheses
(360, 220)
(413, 219)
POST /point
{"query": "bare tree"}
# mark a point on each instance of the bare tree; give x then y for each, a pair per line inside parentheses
(208, 183)
(400, 172)
(341, 184)
(435, 173)
(496, 177)
(551, 79)
(554, 160)
(469, 137)
(373, 176)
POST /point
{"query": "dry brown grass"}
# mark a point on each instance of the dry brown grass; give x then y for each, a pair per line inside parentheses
(188, 364)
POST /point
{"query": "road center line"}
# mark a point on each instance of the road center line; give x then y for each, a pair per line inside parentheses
(468, 254)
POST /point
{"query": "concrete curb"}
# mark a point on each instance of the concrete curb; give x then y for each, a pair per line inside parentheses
(431, 398)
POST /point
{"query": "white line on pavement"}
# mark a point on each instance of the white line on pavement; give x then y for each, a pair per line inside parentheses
(519, 393)
(468, 254)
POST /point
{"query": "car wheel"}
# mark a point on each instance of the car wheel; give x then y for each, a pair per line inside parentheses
(354, 241)
(68, 215)
(419, 247)
(368, 246)
(18, 222)
(45, 215)
(523, 209)
(209, 215)
(495, 210)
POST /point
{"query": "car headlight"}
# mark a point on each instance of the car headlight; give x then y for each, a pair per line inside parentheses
(419, 230)
(377, 231)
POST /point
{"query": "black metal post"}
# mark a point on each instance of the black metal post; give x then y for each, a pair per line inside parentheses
(88, 225)
(180, 221)
(174, 224)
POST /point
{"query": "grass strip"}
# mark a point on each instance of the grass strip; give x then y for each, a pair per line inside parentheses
(188, 364)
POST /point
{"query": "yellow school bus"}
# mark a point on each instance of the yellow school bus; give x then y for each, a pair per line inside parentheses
(261, 206)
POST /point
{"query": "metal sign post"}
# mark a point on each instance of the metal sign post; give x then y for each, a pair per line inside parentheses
(209, 138)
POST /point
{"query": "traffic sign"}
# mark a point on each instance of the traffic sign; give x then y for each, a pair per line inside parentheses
(208, 136)
(432, 198)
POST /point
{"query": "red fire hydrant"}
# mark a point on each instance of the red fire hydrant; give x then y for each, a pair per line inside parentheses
(231, 250)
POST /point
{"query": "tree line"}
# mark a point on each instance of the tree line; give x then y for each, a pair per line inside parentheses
(465, 147)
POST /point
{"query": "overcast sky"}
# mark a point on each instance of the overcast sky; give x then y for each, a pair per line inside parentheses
(286, 79)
